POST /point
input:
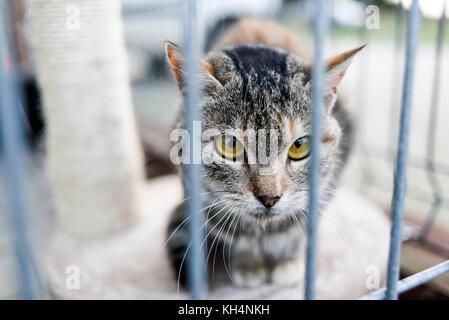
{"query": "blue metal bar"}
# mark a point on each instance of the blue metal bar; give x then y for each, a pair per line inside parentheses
(146, 7)
(400, 182)
(320, 24)
(432, 127)
(12, 154)
(412, 282)
(196, 256)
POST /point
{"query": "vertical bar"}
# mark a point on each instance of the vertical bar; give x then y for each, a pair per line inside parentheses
(12, 153)
(320, 24)
(196, 261)
(400, 182)
(432, 128)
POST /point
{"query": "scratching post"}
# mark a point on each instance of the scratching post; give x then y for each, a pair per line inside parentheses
(94, 158)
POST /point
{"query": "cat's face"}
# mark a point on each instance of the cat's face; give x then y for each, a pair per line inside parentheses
(256, 116)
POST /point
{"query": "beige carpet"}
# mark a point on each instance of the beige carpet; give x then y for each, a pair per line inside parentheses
(353, 247)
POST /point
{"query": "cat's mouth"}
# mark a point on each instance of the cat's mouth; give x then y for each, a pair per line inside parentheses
(264, 215)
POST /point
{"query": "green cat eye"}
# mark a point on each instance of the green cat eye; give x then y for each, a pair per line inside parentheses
(299, 149)
(229, 147)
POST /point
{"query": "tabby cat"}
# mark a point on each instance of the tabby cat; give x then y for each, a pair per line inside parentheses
(257, 77)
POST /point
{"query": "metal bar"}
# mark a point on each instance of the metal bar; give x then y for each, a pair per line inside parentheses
(196, 261)
(400, 182)
(12, 154)
(412, 282)
(321, 24)
(431, 133)
(146, 7)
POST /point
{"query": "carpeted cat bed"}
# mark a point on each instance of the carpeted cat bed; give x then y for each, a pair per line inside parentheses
(353, 247)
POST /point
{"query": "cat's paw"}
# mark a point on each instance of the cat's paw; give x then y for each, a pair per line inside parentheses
(250, 277)
(290, 272)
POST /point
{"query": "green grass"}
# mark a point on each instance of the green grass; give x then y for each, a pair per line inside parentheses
(386, 31)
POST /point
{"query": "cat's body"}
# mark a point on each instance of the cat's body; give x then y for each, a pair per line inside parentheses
(256, 213)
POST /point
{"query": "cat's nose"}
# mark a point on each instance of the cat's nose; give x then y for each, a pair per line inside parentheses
(268, 201)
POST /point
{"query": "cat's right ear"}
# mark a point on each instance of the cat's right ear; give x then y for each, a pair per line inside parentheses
(176, 59)
(335, 70)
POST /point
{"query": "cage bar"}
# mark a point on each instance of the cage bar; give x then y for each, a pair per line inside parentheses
(413, 281)
(12, 156)
(196, 256)
(400, 181)
(320, 25)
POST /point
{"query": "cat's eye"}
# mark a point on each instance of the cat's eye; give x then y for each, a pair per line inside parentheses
(299, 149)
(229, 147)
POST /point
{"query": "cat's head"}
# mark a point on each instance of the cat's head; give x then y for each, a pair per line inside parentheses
(256, 110)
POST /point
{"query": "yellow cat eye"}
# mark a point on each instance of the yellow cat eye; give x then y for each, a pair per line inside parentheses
(299, 149)
(229, 147)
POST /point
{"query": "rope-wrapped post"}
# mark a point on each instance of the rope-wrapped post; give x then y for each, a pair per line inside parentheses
(95, 160)
(400, 179)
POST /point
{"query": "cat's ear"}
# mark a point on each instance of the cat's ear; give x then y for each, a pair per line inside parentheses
(175, 57)
(335, 70)
(337, 66)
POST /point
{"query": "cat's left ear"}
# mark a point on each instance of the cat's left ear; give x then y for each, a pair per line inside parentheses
(335, 70)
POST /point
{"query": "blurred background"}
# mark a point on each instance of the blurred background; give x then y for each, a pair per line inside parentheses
(372, 90)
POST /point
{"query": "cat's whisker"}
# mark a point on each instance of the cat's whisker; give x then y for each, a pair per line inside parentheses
(188, 217)
(340, 229)
(215, 225)
(235, 214)
(302, 212)
(210, 207)
(291, 214)
(227, 216)
(224, 245)
(218, 236)
(177, 228)
(191, 242)
(232, 241)
(210, 231)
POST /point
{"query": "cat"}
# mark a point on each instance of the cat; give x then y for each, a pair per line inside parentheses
(258, 77)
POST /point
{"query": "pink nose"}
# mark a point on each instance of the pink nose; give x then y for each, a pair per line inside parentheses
(268, 201)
